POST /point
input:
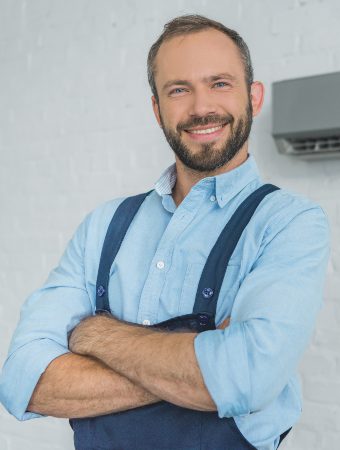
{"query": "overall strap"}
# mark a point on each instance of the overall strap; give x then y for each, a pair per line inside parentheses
(118, 227)
(216, 265)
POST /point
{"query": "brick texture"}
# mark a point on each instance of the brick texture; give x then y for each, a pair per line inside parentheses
(77, 128)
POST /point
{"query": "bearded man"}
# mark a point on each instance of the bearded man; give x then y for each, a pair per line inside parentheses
(176, 318)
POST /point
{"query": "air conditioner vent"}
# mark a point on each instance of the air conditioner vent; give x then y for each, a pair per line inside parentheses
(312, 145)
(310, 148)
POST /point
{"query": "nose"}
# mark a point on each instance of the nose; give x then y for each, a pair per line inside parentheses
(202, 103)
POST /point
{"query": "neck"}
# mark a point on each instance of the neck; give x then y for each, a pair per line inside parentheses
(187, 178)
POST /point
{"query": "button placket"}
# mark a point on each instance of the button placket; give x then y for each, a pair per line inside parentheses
(149, 301)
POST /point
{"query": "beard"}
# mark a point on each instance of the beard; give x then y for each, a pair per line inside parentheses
(210, 157)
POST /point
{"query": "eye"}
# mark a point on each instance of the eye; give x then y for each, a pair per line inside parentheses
(221, 84)
(176, 91)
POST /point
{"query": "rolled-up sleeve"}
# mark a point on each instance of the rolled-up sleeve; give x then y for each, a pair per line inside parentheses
(45, 320)
(248, 364)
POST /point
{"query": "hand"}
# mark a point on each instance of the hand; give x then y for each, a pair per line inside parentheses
(86, 335)
(224, 324)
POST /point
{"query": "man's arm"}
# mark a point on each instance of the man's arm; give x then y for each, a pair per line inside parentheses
(163, 363)
(40, 376)
(77, 386)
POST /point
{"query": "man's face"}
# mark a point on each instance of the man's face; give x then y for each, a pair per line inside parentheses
(204, 106)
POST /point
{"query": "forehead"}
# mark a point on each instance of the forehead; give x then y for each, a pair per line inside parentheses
(198, 55)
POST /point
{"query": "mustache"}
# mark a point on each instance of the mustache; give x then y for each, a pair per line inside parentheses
(207, 120)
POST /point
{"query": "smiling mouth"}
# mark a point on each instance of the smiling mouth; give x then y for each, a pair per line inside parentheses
(206, 133)
(206, 130)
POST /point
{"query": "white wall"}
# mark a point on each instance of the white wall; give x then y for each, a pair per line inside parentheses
(76, 128)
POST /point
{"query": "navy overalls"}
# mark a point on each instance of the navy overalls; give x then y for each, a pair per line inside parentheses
(164, 426)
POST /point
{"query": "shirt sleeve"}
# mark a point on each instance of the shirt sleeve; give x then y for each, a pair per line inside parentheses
(248, 364)
(42, 332)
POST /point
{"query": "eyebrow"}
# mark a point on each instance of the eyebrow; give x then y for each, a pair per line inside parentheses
(205, 80)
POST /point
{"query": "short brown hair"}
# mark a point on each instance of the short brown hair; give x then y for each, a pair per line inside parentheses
(194, 23)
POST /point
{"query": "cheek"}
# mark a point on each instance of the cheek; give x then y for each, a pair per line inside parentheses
(173, 112)
(233, 106)
(234, 102)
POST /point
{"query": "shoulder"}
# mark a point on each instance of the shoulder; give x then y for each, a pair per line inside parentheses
(97, 221)
(103, 213)
(282, 206)
(285, 210)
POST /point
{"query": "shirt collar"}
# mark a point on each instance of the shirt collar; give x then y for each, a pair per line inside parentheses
(166, 181)
(224, 186)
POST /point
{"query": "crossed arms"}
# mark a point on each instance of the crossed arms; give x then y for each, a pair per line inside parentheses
(117, 366)
(245, 366)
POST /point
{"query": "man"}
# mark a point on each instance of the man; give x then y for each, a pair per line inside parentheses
(131, 385)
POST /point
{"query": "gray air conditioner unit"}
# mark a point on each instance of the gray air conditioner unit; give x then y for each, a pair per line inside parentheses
(306, 116)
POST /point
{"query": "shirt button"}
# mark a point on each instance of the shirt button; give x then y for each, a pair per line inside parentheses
(146, 322)
(212, 198)
(160, 264)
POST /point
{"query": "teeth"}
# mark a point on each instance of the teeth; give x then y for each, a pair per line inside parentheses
(207, 131)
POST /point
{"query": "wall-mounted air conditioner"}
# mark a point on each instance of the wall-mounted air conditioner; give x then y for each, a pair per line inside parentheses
(306, 116)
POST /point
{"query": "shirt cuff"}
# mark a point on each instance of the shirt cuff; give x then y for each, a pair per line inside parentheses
(21, 373)
(222, 359)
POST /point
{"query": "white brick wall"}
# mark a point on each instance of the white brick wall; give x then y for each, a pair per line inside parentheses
(76, 126)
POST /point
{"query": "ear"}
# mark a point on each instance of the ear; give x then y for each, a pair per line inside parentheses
(155, 108)
(257, 96)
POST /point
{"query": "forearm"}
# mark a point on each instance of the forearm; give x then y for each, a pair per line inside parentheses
(162, 363)
(75, 386)
(167, 367)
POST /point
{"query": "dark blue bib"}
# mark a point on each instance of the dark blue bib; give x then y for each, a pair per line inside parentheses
(164, 426)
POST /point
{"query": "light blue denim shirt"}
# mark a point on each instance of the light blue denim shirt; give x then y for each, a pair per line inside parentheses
(272, 291)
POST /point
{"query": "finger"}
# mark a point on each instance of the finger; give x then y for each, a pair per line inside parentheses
(224, 324)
